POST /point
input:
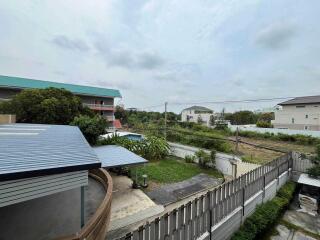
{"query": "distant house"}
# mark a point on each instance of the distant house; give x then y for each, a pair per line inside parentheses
(301, 113)
(101, 100)
(197, 114)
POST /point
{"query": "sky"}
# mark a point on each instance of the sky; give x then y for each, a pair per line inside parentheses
(174, 51)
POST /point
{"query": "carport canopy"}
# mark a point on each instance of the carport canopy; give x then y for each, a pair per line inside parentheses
(305, 179)
(117, 156)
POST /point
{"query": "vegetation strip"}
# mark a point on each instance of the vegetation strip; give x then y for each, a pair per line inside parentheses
(266, 215)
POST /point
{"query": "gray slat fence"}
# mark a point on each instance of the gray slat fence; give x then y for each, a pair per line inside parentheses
(196, 218)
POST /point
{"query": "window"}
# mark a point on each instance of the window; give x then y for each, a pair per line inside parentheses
(292, 120)
(300, 106)
(307, 116)
(315, 106)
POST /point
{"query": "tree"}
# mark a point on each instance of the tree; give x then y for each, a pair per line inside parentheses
(266, 117)
(121, 114)
(49, 106)
(91, 127)
(242, 117)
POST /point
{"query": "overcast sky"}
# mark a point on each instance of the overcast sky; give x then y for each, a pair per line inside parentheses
(167, 50)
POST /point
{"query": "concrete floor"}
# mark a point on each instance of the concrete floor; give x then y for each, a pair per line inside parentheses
(116, 233)
(289, 234)
(129, 205)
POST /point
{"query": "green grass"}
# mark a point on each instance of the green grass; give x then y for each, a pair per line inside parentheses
(173, 169)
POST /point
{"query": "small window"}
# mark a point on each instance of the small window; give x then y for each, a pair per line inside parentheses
(307, 116)
(305, 127)
(300, 106)
(315, 106)
(292, 120)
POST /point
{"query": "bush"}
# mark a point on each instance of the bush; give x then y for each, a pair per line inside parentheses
(190, 158)
(296, 138)
(152, 148)
(91, 127)
(203, 158)
(314, 171)
(265, 215)
(206, 160)
(263, 124)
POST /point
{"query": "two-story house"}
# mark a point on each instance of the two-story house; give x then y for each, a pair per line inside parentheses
(197, 114)
(301, 113)
(98, 99)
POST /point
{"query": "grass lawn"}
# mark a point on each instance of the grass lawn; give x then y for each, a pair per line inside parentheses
(173, 169)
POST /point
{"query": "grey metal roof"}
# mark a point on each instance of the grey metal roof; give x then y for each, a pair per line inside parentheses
(198, 108)
(29, 150)
(116, 156)
(302, 100)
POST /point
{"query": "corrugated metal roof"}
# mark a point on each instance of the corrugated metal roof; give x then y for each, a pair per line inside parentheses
(116, 156)
(23, 83)
(302, 100)
(29, 150)
(305, 179)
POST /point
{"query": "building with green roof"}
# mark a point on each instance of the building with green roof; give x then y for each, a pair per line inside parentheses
(97, 98)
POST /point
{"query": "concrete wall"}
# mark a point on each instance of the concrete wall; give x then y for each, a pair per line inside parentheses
(231, 223)
(7, 118)
(42, 218)
(303, 117)
(223, 161)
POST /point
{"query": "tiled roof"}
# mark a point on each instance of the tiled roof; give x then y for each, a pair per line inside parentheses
(23, 83)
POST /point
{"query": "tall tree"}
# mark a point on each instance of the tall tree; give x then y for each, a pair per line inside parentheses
(50, 105)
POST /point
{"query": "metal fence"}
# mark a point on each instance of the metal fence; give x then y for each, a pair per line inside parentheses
(196, 218)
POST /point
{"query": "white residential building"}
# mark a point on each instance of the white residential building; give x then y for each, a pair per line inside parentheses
(197, 114)
(301, 113)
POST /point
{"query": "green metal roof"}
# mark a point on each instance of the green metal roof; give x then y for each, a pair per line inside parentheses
(22, 83)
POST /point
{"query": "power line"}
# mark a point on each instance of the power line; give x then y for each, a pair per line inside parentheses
(233, 101)
(223, 101)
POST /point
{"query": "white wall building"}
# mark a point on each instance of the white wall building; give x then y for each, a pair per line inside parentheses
(302, 113)
(196, 114)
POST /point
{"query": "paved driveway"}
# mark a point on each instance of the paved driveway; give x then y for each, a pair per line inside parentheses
(174, 192)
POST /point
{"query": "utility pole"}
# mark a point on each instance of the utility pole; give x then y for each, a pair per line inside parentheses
(237, 140)
(165, 120)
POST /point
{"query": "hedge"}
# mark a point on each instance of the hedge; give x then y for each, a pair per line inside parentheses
(266, 215)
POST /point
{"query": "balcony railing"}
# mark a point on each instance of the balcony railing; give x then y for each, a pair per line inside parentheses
(97, 226)
(99, 106)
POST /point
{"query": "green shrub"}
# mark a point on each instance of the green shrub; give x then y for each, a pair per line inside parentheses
(263, 124)
(91, 127)
(296, 138)
(203, 158)
(265, 215)
(190, 158)
(152, 148)
(314, 171)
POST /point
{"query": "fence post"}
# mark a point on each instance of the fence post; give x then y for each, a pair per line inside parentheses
(264, 187)
(243, 199)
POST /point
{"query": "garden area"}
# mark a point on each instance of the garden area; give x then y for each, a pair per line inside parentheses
(170, 170)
